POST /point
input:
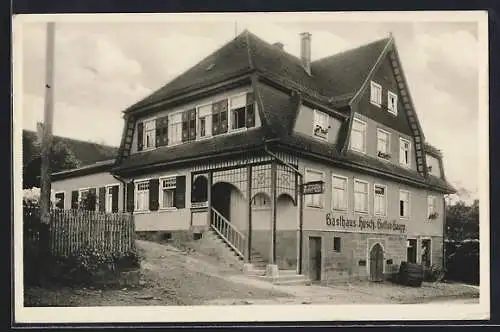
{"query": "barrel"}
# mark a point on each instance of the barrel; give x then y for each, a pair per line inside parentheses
(411, 274)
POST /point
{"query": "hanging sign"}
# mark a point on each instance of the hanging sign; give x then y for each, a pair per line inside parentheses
(313, 187)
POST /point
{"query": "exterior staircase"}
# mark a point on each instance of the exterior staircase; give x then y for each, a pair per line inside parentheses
(231, 244)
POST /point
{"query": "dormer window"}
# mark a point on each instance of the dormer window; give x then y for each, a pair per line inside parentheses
(149, 134)
(320, 124)
(404, 152)
(358, 136)
(392, 103)
(375, 94)
(242, 111)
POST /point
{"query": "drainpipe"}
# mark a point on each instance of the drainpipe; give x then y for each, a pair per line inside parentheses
(444, 233)
(299, 196)
(124, 183)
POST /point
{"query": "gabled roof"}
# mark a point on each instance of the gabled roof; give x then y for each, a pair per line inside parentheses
(333, 79)
(86, 152)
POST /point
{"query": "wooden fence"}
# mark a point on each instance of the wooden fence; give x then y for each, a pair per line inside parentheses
(70, 230)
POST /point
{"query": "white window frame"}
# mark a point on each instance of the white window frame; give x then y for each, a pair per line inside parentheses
(60, 192)
(230, 110)
(429, 199)
(383, 131)
(316, 116)
(390, 95)
(208, 126)
(171, 123)
(346, 192)
(321, 196)
(401, 141)
(160, 192)
(375, 86)
(136, 192)
(364, 135)
(407, 216)
(80, 190)
(385, 199)
(367, 195)
(109, 197)
(144, 134)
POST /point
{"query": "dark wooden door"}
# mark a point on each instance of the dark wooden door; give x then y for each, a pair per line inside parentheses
(221, 199)
(315, 258)
(377, 263)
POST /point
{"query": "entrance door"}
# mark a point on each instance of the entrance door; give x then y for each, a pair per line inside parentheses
(411, 251)
(315, 258)
(377, 263)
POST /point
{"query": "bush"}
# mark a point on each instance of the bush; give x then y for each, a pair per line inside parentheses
(88, 265)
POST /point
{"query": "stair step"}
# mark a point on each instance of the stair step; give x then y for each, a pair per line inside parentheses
(292, 282)
(288, 272)
(256, 272)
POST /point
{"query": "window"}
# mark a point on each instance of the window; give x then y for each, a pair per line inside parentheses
(383, 144)
(59, 200)
(175, 128)
(189, 125)
(314, 200)
(360, 196)
(392, 102)
(431, 206)
(167, 192)
(339, 193)
(88, 199)
(142, 196)
(162, 131)
(205, 121)
(149, 134)
(358, 136)
(320, 125)
(404, 204)
(261, 201)
(219, 117)
(336, 244)
(380, 200)
(242, 111)
(109, 199)
(376, 94)
(404, 152)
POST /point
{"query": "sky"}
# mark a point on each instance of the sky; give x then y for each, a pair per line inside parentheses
(103, 67)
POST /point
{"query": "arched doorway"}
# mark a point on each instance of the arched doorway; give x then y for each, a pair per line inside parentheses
(377, 263)
(228, 200)
(221, 198)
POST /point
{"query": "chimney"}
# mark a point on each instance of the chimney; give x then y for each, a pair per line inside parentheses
(305, 51)
(279, 45)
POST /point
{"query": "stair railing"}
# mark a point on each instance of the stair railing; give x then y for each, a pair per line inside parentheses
(228, 232)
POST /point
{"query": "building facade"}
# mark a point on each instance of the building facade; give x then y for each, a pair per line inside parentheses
(317, 166)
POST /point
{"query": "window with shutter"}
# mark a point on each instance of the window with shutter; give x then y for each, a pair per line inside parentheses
(142, 196)
(167, 192)
(219, 124)
(59, 200)
(175, 128)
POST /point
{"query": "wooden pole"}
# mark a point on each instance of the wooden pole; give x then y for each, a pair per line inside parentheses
(45, 183)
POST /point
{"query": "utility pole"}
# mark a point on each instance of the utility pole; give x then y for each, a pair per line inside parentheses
(45, 181)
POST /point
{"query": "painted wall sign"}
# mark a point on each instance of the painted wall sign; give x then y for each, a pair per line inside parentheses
(364, 224)
(313, 187)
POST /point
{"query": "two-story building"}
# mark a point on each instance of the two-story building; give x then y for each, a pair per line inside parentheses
(228, 145)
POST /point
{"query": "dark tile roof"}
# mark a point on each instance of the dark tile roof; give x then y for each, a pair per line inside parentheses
(333, 79)
(86, 152)
(344, 73)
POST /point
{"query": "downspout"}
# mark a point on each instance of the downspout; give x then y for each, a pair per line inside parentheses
(299, 196)
(444, 234)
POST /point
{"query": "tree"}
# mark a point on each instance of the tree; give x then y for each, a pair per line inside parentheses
(462, 221)
(62, 158)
